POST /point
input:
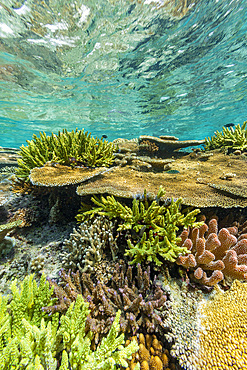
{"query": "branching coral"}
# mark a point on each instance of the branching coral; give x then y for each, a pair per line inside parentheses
(140, 300)
(67, 148)
(156, 226)
(30, 339)
(86, 246)
(220, 252)
(231, 138)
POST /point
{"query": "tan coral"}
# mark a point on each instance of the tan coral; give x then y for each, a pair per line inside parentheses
(219, 252)
(223, 332)
(58, 175)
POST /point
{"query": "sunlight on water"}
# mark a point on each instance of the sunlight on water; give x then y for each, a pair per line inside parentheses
(122, 68)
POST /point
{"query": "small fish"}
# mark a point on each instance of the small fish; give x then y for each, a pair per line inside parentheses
(172, 171)
(104, 136)
(229, 125)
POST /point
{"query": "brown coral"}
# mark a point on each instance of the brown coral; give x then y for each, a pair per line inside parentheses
(151, 354)
(220, 252)
(141, 300)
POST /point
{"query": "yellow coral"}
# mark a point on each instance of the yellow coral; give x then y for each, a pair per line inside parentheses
(223, 333)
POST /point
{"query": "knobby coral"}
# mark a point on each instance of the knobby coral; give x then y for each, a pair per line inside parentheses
(231, 138)
(140, 300)
(30, 339)
(67, 148)
(85, 248)
(155, 225)
(220, 253)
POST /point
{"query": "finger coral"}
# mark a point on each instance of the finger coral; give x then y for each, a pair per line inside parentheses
(86, 246)
(30, 339)
(151, 354)
(231, 138)
(66, 148)
(140, 300)
(156, 225)
(219, 253)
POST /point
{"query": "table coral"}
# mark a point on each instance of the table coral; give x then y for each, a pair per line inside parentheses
(66, 148)
(220, 252)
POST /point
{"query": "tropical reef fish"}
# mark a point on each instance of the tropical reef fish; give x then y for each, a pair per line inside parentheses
(229, 125)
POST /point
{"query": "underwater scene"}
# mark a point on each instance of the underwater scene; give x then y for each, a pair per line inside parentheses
(123, 188)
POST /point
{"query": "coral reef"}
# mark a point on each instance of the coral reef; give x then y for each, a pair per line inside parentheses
(59, 175)
(140, 300)
(6, 243)
(155, 226)
(87, 246)
(151, 354)
(222, 335)
(168, 147)
(29, 337)
(66, 148)
(128, 182)
(218, 252)
(229, 139)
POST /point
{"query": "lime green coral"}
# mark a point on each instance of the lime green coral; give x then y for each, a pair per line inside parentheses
(32, 340)
(65, 148)
(231, 138)
(157, 225)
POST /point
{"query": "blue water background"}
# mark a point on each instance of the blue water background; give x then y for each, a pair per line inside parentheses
(123, 68)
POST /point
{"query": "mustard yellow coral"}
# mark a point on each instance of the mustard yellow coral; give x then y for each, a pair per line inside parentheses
(223, 332)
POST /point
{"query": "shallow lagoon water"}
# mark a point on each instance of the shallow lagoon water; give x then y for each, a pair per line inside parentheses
(121, 68)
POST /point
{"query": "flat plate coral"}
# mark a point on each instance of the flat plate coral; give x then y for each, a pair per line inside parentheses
(127, 182)
(58, 175)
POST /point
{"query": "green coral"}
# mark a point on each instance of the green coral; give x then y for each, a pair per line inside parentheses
(32, 340)
(230, 138)
(156, 225)
(65, 148)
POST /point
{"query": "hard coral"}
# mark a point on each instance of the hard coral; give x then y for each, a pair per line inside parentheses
(141, 301)
(151, 354)
(230, 139)
(86, 246)
(220, 252)
(155, 225)
(67, 148)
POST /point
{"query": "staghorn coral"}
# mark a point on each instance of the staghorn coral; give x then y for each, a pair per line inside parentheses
(220, 253)
(140, 300)
(156, 226)
(30, 339)
(86, 246)
(230, 139)
(66, 148)
(151, 354)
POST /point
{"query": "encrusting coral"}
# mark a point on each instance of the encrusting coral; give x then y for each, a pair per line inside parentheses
(230, 139)
(86, 247)
(151, 354)
(75, 148)
(30, 339)
(140, 300)
(218, 252)
(155, 225)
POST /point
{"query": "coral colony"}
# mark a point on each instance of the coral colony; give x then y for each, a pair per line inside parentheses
(147, 279)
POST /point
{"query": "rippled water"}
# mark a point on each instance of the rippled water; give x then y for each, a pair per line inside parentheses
(121, 67)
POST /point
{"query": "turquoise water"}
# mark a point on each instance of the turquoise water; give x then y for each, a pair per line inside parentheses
(121, 68)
